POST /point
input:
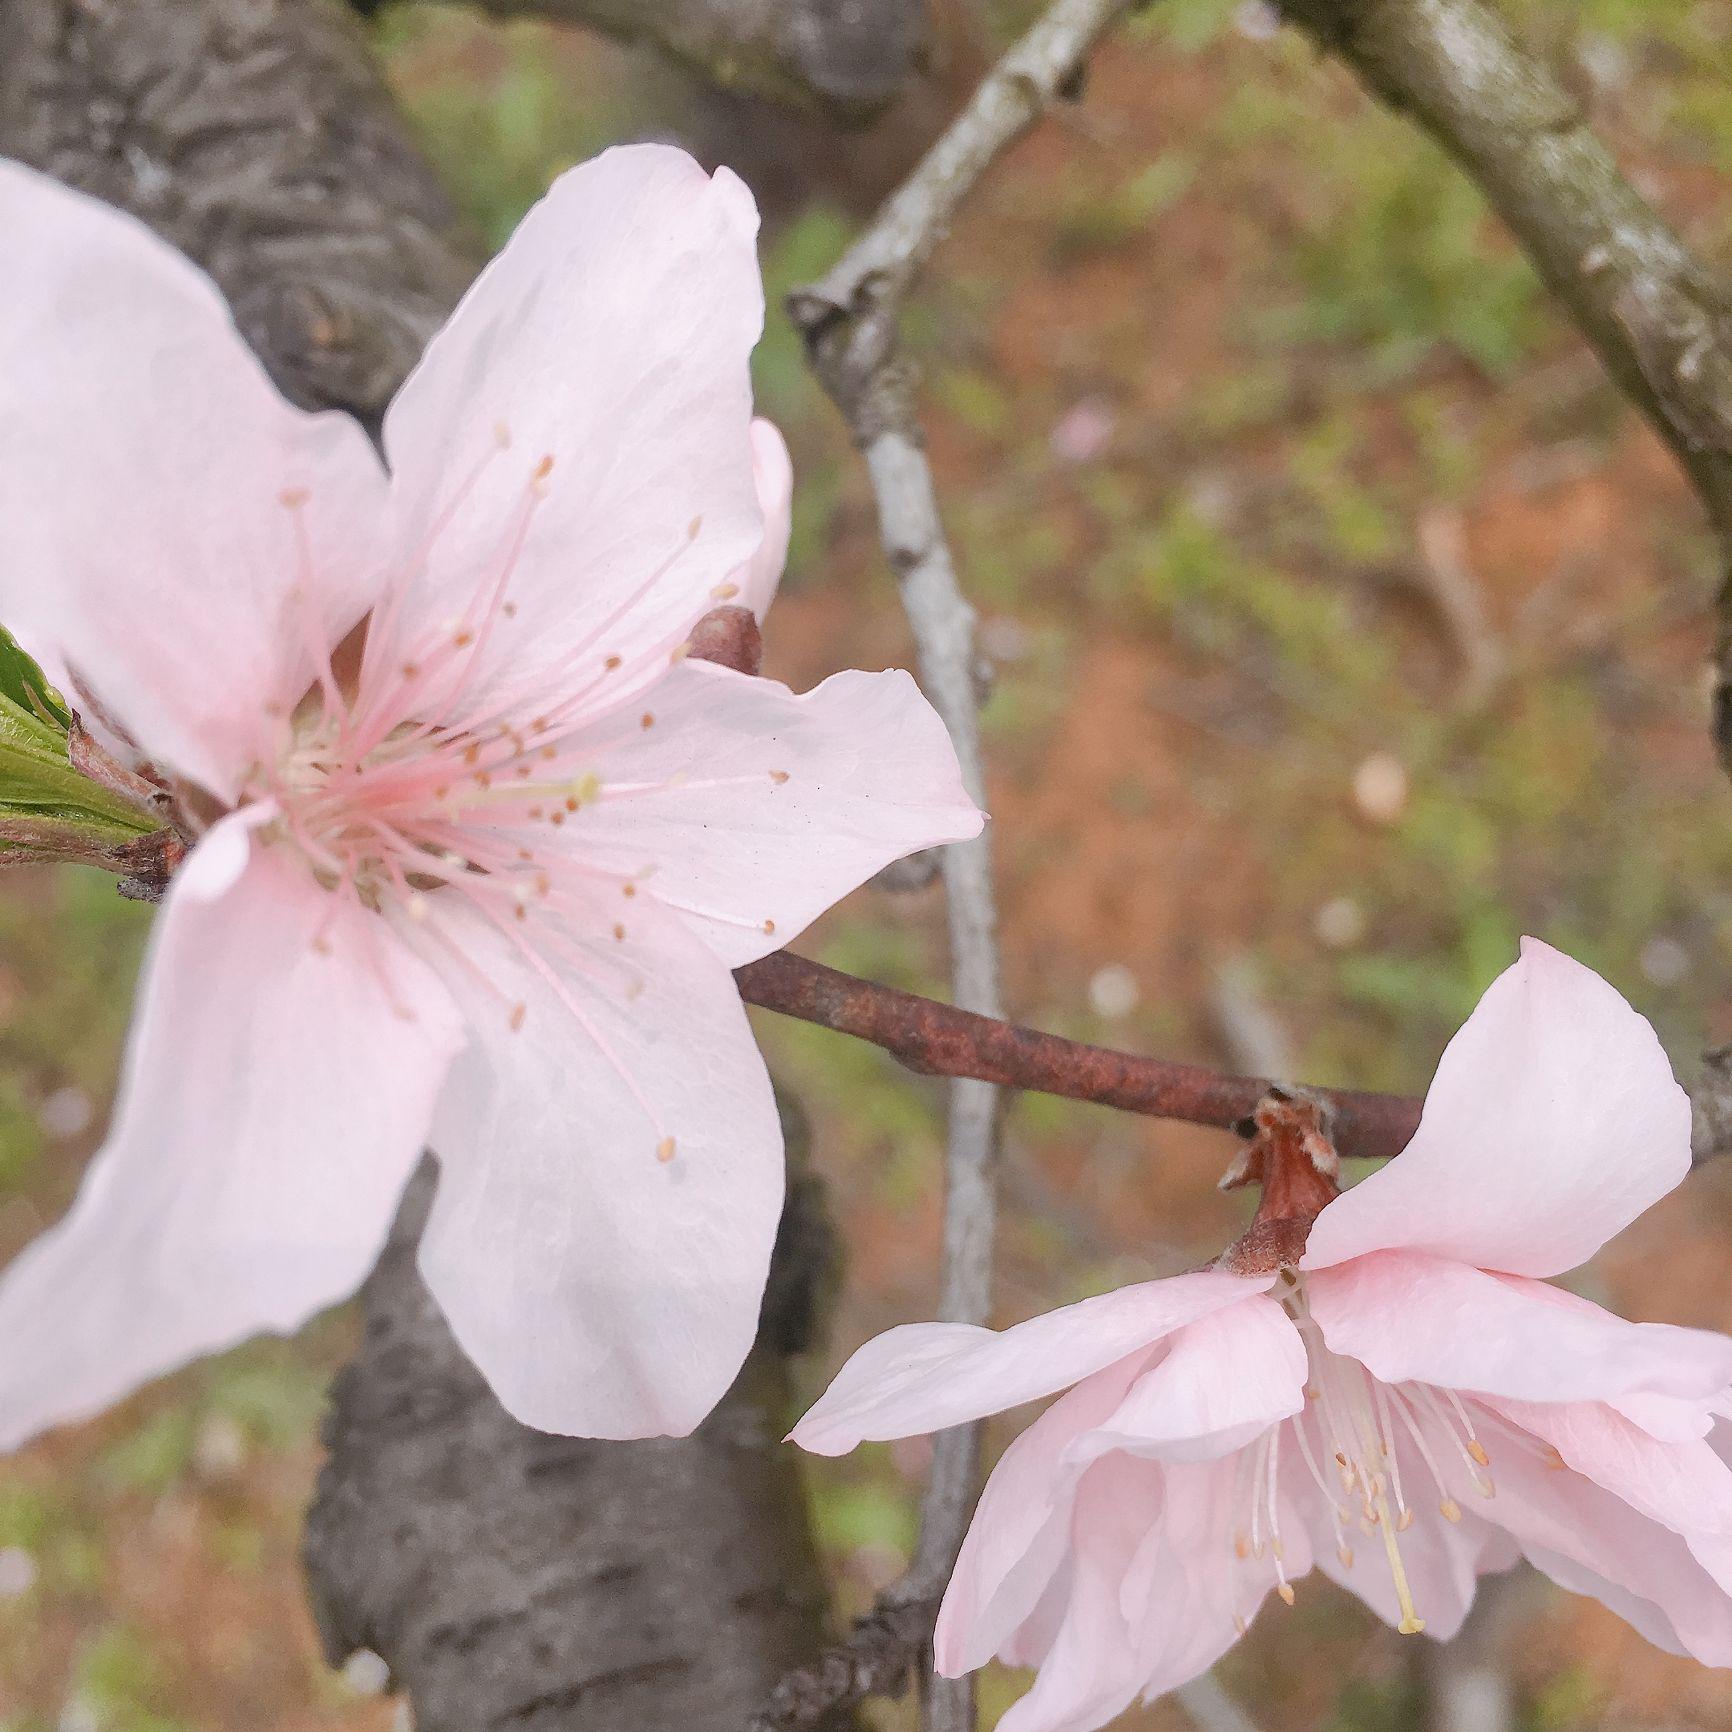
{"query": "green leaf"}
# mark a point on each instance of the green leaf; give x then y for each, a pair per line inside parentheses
(27, 687)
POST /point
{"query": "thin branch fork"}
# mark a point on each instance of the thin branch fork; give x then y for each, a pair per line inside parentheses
(850, 323)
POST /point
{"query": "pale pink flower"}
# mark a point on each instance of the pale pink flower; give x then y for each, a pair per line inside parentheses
(480, 883)
(1408, 1408)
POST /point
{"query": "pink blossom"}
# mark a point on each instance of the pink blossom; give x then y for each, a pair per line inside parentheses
(476, 876)
(1406, 1408)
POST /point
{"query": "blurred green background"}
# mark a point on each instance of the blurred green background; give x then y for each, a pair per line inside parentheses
(1346, 626)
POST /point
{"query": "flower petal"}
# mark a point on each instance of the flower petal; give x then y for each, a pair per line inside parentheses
(611, 1171)
(1553, 1121)
(1021, 1529)
(1409, 1317)
(751, 810)
(1589, 1539)
(277, 1095)
(145, 459)
(581, 430)
(1094, 1669)
(1187, 1593)
(773, 475)
(1222, 1382)
(924, 1377)
(1682, 1485)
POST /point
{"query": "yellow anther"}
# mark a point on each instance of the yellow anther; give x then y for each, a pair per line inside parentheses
(665, 1150)
(724, 592)
(1285, 1590)
(1345, 1554)
(778, 777)
(1477, 1450)
(1450, 1510)
(518, 1013)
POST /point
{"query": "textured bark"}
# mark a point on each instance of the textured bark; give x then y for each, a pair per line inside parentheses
(844, 58)
(256, 135)
(570, 1583)
(508, 1578)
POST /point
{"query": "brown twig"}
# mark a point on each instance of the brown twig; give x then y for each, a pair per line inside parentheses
(942, 1040)
(877, 1659)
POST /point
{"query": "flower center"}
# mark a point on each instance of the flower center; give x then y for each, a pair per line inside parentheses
(1352, 1437)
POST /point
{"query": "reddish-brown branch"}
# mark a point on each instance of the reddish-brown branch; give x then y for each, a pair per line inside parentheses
(940, 1040)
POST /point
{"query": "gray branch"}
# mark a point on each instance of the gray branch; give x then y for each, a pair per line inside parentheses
(850, 322)
(507, 1578)
(1657, 318)
(847, 59)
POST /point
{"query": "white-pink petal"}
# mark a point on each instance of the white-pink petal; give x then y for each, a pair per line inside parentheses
(1411, 1317)
(1021, 1529)
(1222, 1382)
(576, 440)
(773, 474)
(284, 1063)
(1188, 1594)
(924, 1377)
(170, 527)
(1093, 1668)
(1589, 1539)
(611, 1168)
(1684, 1486)
(1553, 1121)
(750, 810)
